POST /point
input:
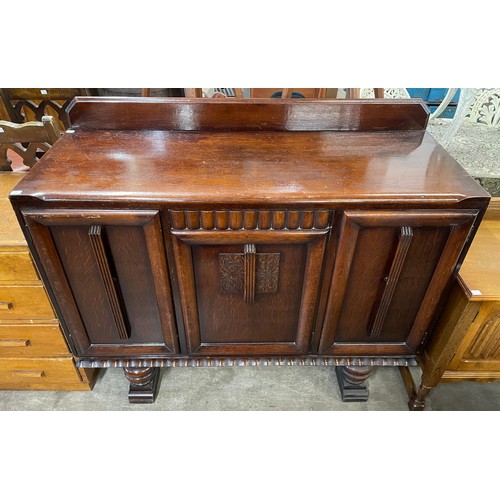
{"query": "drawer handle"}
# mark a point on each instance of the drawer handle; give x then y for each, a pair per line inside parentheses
(6, 306)
(28, 373)
(14, 342)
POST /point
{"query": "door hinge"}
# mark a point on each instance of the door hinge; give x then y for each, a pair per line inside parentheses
(422, 342)
(469, 234)
(311, 341)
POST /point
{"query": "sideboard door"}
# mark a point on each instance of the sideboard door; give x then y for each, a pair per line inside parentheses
(108, 275)
(390, 272)
(249, 280)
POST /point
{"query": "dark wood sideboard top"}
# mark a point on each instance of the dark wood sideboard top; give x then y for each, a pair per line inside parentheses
(249, 152)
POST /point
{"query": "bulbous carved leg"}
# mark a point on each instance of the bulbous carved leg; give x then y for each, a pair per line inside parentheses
(143, 384)
(350, 379)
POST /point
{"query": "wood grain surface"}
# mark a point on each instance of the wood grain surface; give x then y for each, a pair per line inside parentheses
(480, 272)
(10, 232)
(247, 115)
(202, 168)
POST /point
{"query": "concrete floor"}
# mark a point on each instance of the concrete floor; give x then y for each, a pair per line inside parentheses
(286, 388)
(266, 388)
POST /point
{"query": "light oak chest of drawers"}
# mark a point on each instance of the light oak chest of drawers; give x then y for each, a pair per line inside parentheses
(33, 352)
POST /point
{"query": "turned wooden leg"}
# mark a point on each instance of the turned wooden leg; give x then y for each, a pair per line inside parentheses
(350, 379)
(417, 402)
(143, 384)
(416, 398)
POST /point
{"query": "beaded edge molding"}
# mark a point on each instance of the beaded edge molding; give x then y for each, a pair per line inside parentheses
(246, 361)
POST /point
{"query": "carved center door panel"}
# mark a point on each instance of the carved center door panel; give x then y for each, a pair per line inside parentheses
(390, 272)
(248, 280)
(109, 278)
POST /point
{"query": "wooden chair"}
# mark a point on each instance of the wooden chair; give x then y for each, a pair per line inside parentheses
(218, 93)
(24, 105)
(287, 93)
(357, 93)
(28, 140)
(308, 93)
(166, 92)
(193, 93)
(258, 93)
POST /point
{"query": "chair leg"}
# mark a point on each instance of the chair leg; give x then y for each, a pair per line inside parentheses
(447, 99)
(354, 93)
(464, 103)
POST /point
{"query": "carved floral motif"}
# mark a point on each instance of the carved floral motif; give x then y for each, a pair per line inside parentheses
(267, 272)
(232, 272)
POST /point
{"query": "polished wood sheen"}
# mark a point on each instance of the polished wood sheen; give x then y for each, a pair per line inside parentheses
(242, 114)
(280, 231)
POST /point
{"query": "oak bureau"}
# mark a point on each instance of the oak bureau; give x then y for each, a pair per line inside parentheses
(198, 232)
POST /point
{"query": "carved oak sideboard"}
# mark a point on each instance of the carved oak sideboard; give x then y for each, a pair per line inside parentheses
(178, 232)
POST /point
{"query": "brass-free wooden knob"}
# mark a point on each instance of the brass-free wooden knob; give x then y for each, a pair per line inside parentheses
(28, 373)
(14, 342)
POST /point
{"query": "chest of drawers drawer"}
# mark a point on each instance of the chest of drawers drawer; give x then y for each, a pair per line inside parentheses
(26, 340)
(24, 302)
(16, 267)
(42, 374)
